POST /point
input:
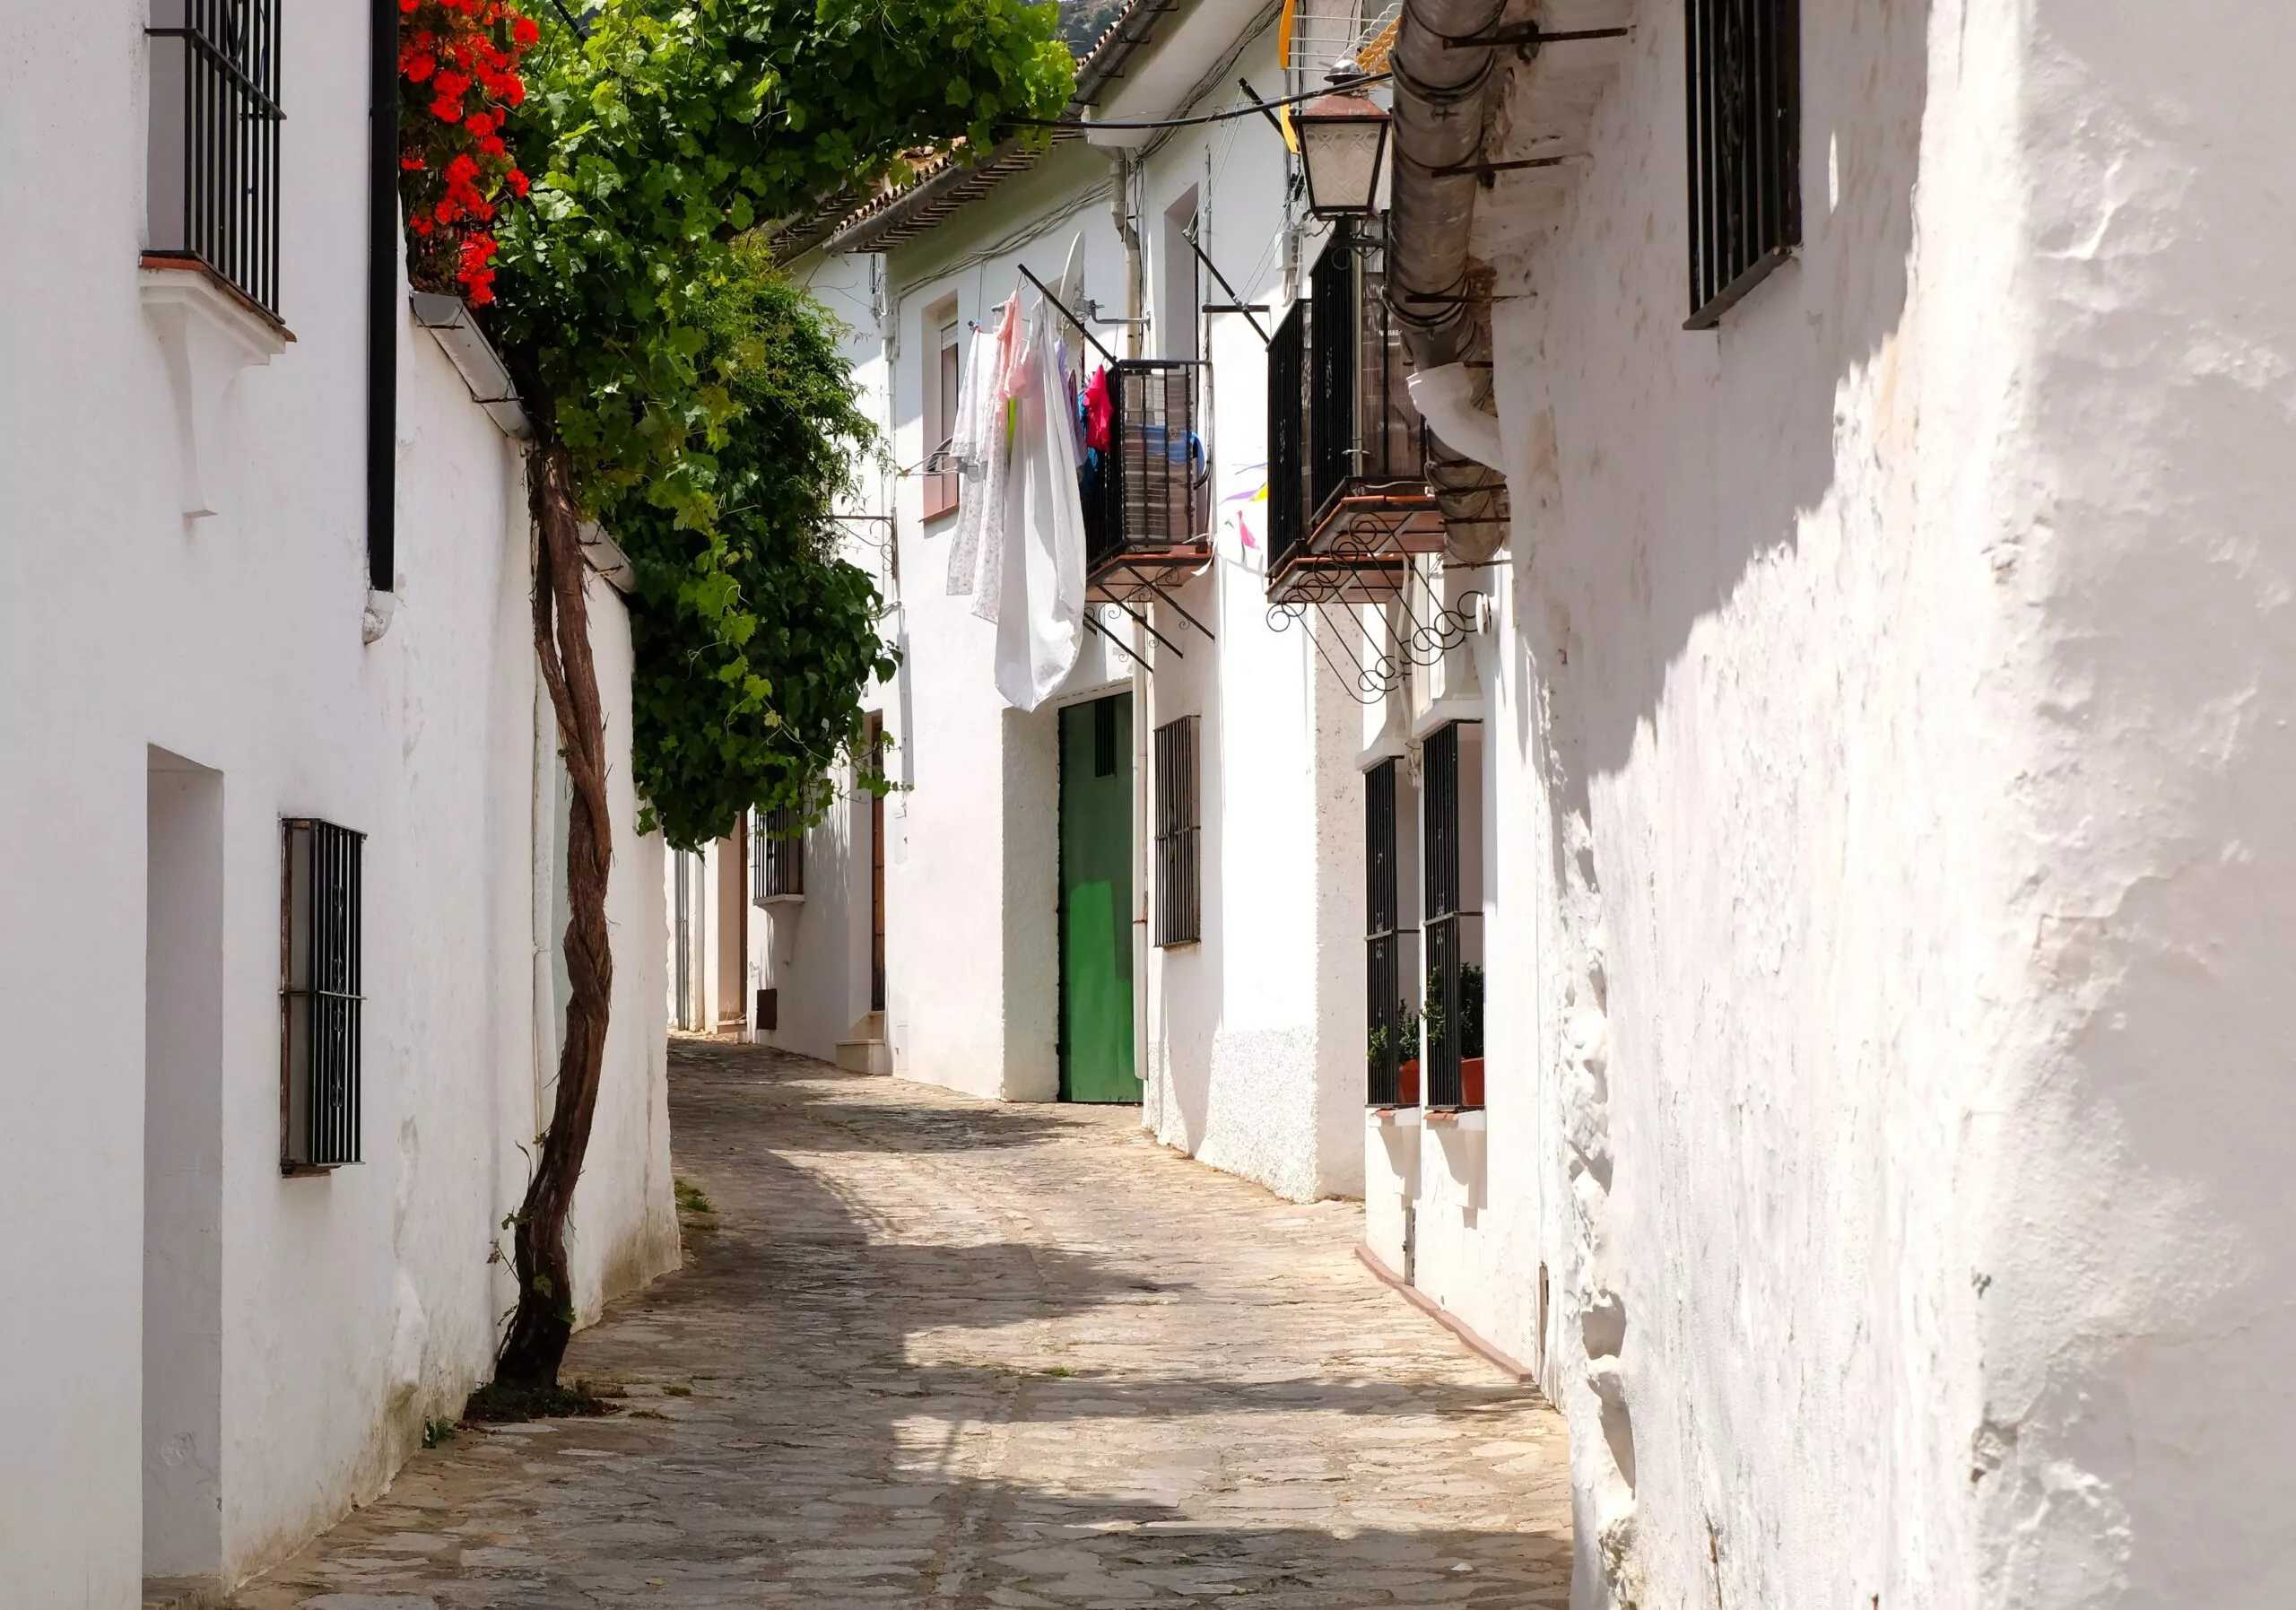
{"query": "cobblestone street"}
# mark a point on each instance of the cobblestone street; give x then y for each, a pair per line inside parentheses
(928, 1351)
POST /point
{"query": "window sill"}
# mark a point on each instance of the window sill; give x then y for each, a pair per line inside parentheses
(1395, 1117)
(780, 900)
(1711, 317)
(1466, 1119)
(192, 268)
(1444, 712)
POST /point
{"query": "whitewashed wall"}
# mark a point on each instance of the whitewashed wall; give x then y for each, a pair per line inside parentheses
(971, 853)
(1256, 1062)
(1891, 707)
(347, 1308)
(815, 952)
(1253, 1039)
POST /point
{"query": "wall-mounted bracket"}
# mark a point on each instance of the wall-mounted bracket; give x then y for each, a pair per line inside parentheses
(208, 333)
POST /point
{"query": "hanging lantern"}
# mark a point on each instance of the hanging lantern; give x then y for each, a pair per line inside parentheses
(1342, 140)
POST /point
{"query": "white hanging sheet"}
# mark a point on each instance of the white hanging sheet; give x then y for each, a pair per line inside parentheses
(981, 443)
(1040, 610)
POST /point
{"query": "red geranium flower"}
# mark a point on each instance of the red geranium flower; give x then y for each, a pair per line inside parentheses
(455, 161)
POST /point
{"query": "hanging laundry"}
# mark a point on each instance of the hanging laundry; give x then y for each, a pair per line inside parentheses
(980, 443)
(1097, 414)
(1041, 610)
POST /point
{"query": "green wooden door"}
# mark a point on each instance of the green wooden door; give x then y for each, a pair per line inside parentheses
(1096, 902)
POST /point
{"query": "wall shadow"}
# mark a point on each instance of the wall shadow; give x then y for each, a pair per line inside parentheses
(778, 1445)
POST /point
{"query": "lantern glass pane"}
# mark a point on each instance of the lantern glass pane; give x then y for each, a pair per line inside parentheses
(1343, 163)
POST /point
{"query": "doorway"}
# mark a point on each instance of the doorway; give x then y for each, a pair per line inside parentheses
(183, 1169)
(875, 738)
(1096, 1063)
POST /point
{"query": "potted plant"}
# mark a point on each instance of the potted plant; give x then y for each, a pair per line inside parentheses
(1470, 1036)
(1407, 1047)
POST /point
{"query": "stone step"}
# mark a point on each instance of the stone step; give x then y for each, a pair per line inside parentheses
(865, 1056)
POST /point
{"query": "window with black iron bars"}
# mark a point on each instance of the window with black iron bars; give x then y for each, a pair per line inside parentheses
(213, 176)
(1745, 148)
(1452, 1006)
(1384, 1010)
(1178, 899)
(320, 1000)
(777, 856)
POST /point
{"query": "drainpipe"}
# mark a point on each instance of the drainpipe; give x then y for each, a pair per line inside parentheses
(1441, 92)
(1127, 232)
(1143, 715)
(383, 317)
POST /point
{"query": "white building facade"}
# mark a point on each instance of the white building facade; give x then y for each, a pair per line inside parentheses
(1236, 1016)
(247, 1260)
(1824, 687)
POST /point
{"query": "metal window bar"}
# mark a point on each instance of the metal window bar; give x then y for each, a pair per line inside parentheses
(214, 140)
(1150, 490)
(1287, 437)
(1439, 761)
(777, 856)
(1180, 918)
(321, 1003)
(1744, 118)
(1383, 973)
(1363, 430)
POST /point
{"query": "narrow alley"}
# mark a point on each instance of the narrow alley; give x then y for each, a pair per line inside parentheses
(931, 1351)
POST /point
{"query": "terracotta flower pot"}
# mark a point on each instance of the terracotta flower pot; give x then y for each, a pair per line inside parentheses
(1470, 1081)
(1408, 1083)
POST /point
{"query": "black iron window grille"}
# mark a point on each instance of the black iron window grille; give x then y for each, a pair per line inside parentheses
(319, 944)
(1391, 973)
(1452, 1011)
(1180, 918)
(778, 857)
(1363, 432)
(1287, 437)
(1745, 148)
(1347, 452)
(1150, 489)
(213, 168)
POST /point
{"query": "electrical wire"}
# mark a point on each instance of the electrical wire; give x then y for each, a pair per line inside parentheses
(1256, 109)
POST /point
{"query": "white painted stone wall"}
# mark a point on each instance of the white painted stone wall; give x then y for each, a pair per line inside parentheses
(1890, 721)
(815, 952)
(1252, 1052)
(345, 1308)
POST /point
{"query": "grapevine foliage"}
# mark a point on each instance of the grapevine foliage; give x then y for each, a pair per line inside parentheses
(751, 638)
(708, 409)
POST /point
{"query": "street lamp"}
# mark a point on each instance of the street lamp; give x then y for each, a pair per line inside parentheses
(1342, 138)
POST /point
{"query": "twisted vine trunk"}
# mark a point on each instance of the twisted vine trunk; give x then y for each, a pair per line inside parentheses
(543, 1322)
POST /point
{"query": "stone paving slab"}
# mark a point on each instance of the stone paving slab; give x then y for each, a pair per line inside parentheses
(929, 1351)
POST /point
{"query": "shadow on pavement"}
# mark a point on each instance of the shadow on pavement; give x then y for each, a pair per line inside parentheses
(829, 1411)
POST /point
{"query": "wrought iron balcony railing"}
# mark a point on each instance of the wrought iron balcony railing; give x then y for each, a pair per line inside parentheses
(1147, 500)
(213, 153)
(1347, 454)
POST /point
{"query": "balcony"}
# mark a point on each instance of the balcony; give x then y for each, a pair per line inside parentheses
(1147, 498)
(1347, 455)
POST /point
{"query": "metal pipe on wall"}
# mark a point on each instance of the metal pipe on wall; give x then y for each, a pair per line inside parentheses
(1442, 92)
